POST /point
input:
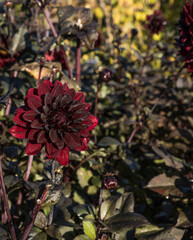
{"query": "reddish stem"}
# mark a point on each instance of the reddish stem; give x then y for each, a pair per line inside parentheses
(34, 214)
(78, 57)
(8, 108)
(133, 134)
(5, 201)
(26, 177)
(46, 14)
(67, 63)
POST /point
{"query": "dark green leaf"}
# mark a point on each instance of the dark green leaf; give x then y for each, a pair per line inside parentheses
(108, 208)
(125, 220)
(54, 232)
(41, 220)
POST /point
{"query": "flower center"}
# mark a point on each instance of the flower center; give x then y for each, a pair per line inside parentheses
(57, 119)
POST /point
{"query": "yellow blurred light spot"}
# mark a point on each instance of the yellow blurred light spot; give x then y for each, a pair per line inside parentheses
(157, 37)
(135, 81)
(98, 12)
(172, 59)
(140, 16)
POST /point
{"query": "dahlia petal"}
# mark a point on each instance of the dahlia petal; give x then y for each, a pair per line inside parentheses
(94, 122)
(47, 98)
(57, 90)
(65, 87)
(34, 102)
(46, 109)
(41, 137)
(66, 99)
(18, 120)
(57, 101)
(32, 92)
(84, 144)
(53, 135)
(29, 116)
(60, 143)
(33, 148)
(44, 87)
(72, 140)
(50, 150)
(36, 124)
(81, 115)
(63, 156)
(32, 134)
(18, 132)
(19, 110)
(71, 92)
(79, 97)
(84, 133)
(80, 106)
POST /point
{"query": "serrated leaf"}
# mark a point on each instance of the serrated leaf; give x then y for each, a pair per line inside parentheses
(89, 229)
(41, 220)
(125, 220)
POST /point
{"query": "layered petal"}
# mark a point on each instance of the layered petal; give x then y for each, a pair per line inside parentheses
(18, 132)
(33, 148)
(63, 156)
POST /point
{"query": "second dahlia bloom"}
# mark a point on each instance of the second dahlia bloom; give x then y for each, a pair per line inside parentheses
(185, 41)
(155, 22)
(56, 117)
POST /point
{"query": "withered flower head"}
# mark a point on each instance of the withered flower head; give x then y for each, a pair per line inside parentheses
(54, 116)
(185, 41)
(155, 22)
(110, 181)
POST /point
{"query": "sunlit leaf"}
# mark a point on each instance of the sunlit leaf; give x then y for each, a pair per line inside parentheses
(89, 229)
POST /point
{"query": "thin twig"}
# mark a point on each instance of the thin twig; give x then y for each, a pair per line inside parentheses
(34, 214)
(46, 14)
(78, 57)
(133, 134)
(5, 201)
(53, 180)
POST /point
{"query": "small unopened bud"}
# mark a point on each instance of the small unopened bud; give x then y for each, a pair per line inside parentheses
(110, 181)
(105, 75)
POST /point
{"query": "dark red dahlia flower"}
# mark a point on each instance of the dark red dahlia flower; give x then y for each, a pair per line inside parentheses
(56, 117)
(185, 41)
(156, 22)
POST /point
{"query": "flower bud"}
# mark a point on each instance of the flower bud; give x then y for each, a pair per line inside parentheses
(110, 181)
(105, 75)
